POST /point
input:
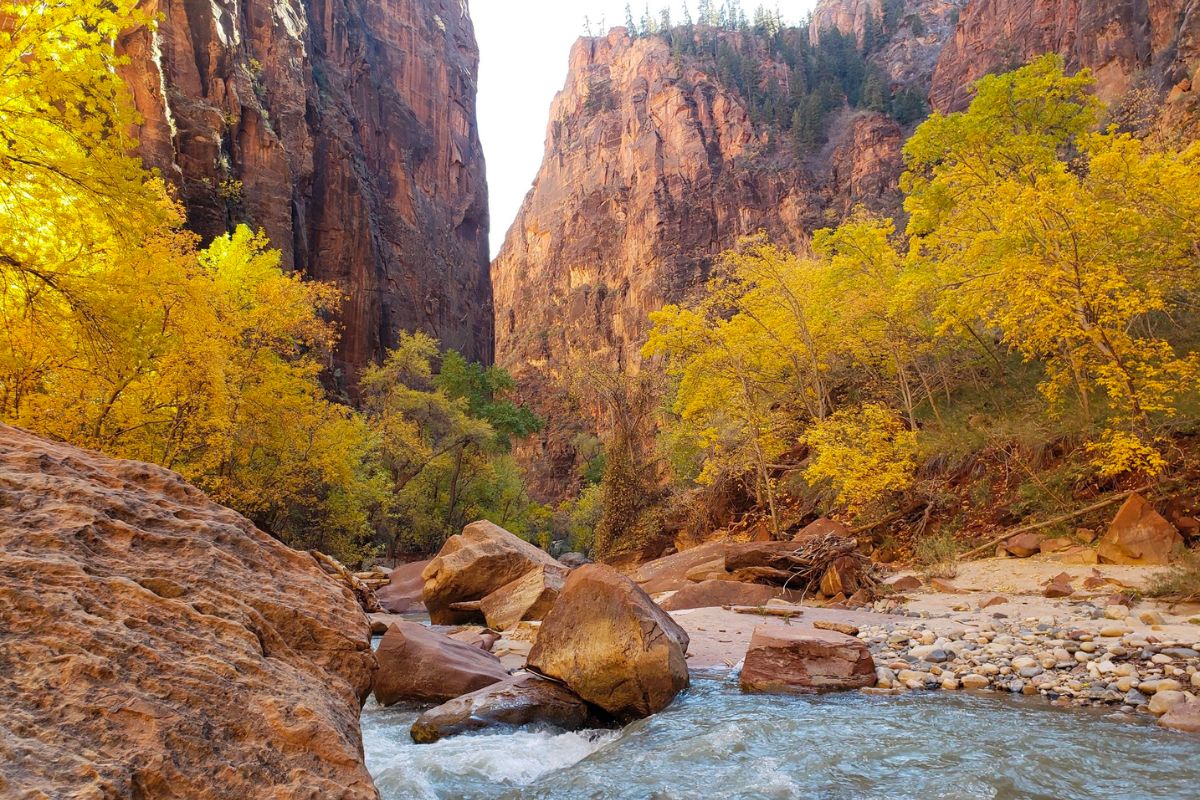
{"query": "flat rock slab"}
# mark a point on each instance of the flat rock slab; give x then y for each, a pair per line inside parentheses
(669, 573)
(805, 660)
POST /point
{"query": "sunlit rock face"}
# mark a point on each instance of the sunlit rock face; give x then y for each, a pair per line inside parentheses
(346, 131)
(652, 168)
(1126, 43)
(156, 644)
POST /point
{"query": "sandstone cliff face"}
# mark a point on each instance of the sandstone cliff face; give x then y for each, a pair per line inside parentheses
(1121, 41)
(652, 168)
(155, 644)
(347, 131)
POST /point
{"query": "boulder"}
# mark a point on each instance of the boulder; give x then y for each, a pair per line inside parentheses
(404, 589)
(529, 597)
(842, 576)
(513, 702)
(419, 665)
(607, 640)
(573, 560)
(1183, 716)
(710, 594)
(472, 565)
(670, 572)
(821, 527)
(903, 583)
(1059, 586)
(155, 644)
(1139, 535)
(710, 571)
(1023, 545)
(474, 635)
(1056, 544)
(805, 660)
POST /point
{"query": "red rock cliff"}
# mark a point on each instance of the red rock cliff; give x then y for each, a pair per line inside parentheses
(345, 129)
(1124, 42)
(653, 167)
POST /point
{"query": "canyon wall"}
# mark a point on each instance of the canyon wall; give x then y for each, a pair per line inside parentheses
(347, 131)
(653, 167)
(1131, 46)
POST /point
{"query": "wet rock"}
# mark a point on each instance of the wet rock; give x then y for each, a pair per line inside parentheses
(1183, 717)
(404, 590)
(803, 660)
(472, 565)
(975, 681)
(517, 701)
(607, 640)
(156, 644)
(529, 597)
(1139, 535)
(710, 594)
(418, 665)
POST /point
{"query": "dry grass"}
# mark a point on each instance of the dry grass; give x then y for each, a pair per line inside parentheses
(935, 556)
(1181, 583)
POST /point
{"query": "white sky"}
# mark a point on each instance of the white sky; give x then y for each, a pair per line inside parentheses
(524, 46)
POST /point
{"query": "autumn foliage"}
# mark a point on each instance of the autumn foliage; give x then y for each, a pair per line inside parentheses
(1030, 233)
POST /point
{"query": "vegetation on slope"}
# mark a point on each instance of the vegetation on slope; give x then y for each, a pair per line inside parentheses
(861, 377)
(120, 332)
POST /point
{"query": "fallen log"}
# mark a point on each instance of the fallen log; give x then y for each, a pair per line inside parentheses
(766, 611)
(1055, 521)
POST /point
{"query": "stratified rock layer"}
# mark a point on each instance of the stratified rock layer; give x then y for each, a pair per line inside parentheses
(155, 644)
(347, 131)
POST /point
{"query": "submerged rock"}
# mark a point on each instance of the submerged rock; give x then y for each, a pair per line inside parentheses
(516, 701)
(156, 644)
(607, 640)
(804, 660)
(472, 565)
(418, 665)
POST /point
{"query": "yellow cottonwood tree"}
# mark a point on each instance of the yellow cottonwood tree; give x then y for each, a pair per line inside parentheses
(1074, 263)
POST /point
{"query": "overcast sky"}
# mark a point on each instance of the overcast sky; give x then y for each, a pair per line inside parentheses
(524, 46)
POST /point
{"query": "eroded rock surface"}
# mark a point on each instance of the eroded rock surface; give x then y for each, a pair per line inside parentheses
(155, 644)
(1139, 535)
(405, 589)
(610, 644)
(475, 563)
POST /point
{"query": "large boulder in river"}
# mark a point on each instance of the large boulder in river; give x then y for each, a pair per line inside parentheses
(804, 660)
(419, 665)
(472, 565)
(709, 594)
(405, 589)
(514, 702)
(607, 640)
(1139, 535)
(156, 644)
(529, 597)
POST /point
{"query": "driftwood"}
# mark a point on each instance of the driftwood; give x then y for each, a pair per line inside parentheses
(766, 611)
(362, 593)
(801, 565)
(1055, 521)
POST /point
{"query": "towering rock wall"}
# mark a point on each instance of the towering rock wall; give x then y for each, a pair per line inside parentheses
(653, 166)
(1153, 44)
(344, 128)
